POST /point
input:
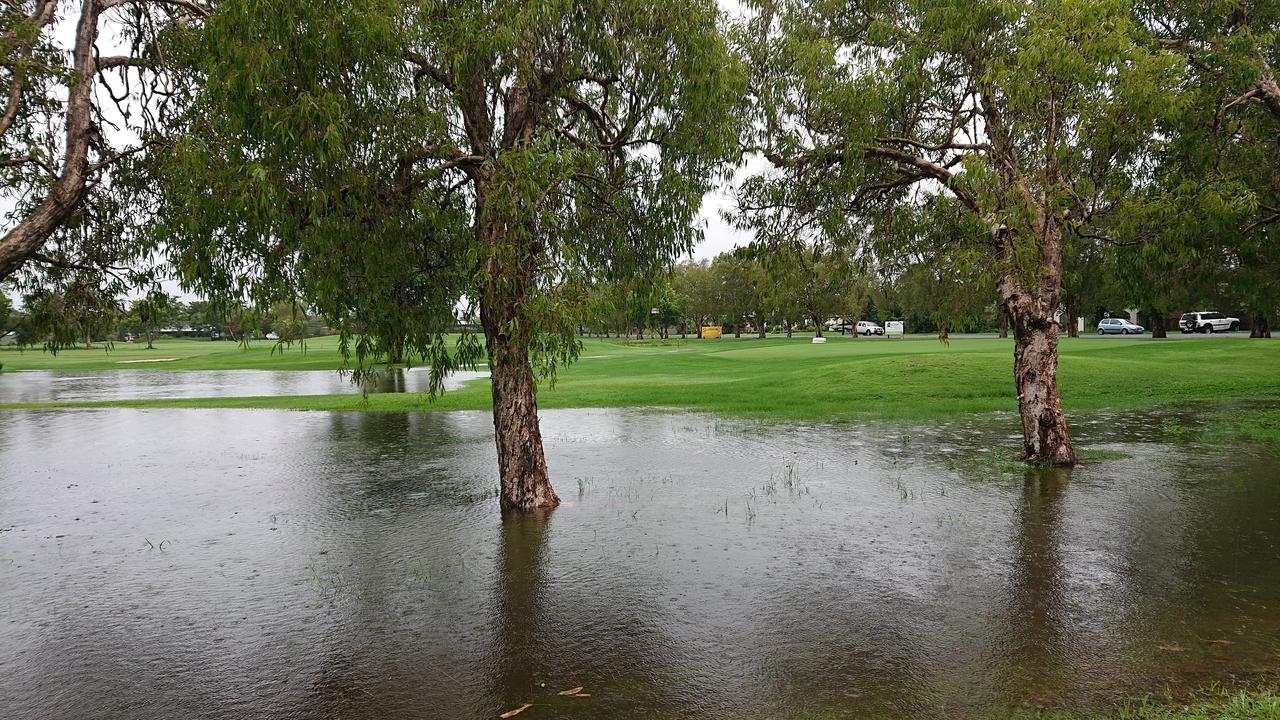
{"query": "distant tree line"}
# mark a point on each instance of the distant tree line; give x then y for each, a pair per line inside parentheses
(79, 317)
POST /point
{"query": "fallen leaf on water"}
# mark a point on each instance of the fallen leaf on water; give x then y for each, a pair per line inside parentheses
(517, 711)
(1173, 648)
(1219, 642)
(582, 695)
(571, 691)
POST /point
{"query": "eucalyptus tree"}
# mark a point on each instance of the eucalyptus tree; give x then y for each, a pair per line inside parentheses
(1035, 117)
(334, 139)
(1222, 167)
(694, 281)
(149, 313)
(70, 117)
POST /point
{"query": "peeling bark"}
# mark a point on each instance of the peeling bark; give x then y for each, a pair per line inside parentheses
(1031, 311)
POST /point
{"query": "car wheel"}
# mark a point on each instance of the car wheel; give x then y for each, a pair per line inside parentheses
(1101, 331)
(1208, 329)
(1235, 327)
(1124, 331)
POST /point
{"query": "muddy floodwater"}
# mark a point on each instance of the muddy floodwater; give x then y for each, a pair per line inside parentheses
(39, 386)
(264, 564)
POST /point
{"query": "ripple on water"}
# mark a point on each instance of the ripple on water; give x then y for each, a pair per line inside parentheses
(170, 563)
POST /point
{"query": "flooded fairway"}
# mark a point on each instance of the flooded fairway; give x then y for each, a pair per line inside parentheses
(40, 386)
(248, 564)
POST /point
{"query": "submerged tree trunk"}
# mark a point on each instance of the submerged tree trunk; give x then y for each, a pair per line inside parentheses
(1031, 311)
(504, 298)
(1157, 324)
(1260, 328)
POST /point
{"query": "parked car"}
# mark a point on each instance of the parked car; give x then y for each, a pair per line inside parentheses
(866, 327)
(1208, 322)
(839, 325)
(1118, 326)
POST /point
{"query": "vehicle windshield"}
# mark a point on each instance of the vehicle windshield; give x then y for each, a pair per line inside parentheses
(1211, 316)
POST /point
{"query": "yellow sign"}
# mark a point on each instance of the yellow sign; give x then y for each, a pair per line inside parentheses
(712, 331)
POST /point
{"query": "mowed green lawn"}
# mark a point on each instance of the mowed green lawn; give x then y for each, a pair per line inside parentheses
(776, 378)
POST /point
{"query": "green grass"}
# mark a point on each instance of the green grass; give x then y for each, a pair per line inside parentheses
(319, 354)
(1240, 705)
(776, 378)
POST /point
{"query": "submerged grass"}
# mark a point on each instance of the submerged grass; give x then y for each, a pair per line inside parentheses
(773, 379)
(1239, 705)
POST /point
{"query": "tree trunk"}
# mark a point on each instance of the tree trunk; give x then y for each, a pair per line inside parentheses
(69, 188)
(149, 345)
(395, 353)
(817, 326)
(1157, 324)
(1004, 324)
(1073, 312)
(760, 331)
(943, 333)
(504, 299)
(737, 330)
(1035, 352)
(788, 328)
(1260, 328)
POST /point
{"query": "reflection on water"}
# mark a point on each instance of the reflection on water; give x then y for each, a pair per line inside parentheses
(38, 386)
(246, 564)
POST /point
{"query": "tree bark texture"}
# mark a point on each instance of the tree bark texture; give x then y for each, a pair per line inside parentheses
(504, 297)
(69, 188)
(1031, 311)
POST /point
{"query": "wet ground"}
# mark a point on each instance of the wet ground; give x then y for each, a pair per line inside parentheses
(39, 386)
(249, 564)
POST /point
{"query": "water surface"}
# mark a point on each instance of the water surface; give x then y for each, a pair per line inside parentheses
(40, 386)
(249, 564)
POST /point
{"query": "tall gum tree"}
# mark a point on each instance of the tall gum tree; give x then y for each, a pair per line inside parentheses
(576, 139)
(1036, 117)
(69, 115)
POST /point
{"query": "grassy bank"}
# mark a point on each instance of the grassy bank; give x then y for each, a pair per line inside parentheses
(774, 378)
(1243, 705)
(316, 354)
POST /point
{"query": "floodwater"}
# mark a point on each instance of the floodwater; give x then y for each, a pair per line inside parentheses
(39, 386)
(266, 564)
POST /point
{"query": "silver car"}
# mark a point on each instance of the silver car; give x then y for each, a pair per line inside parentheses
(1118, 326)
